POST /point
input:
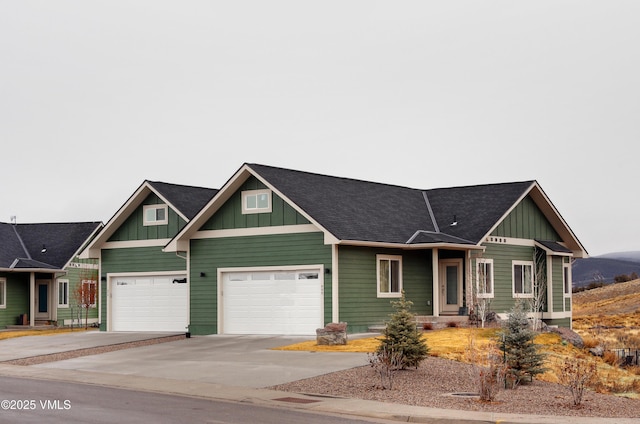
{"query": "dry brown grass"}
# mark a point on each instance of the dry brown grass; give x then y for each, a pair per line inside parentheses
(21, 333)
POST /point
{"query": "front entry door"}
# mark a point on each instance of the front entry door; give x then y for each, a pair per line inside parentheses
(42, 300)
(450, 286)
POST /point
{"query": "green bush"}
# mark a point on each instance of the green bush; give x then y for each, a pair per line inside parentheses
(401, 336)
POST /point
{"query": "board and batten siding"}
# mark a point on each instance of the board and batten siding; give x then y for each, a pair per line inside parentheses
(526, 221)
(207, 255)
(360, 306)
(17, 298)
(230, 215)
(136, 259)
(557, 283)
(134, 229)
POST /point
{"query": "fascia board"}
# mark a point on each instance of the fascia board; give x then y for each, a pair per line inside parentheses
(82, 248)
(164, 199)
(504, 216)
(549, 211)
(93, 249)
(180, 241)
(557, 221)
(328, 234)
(420, 246)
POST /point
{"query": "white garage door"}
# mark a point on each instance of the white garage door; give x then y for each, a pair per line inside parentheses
(272, 302)
(149, 303)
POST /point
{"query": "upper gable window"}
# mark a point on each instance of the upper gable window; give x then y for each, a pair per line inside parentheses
(155, 215)
(256, 201)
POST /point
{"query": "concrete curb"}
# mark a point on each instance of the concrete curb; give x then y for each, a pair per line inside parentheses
(273, 398)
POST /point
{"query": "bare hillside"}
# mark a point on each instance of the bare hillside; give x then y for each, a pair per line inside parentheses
(613, 299)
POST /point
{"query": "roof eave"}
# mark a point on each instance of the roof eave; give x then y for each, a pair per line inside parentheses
(415, 246)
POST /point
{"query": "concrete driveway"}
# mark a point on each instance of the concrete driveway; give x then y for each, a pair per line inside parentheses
(243, 361)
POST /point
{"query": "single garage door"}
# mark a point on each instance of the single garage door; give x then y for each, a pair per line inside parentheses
(272, 302)
(149, 303)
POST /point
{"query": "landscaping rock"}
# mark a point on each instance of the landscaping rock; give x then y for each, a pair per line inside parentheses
(569, 335)
(332, 334)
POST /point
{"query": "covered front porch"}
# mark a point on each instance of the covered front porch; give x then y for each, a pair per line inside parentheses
(31, 299)
(453, 294)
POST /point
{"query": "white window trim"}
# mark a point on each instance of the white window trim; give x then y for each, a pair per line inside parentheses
(3, 288)
(479, 294)
(400, 286)
(249, 193)
(147, 222)
(63, 305)
(513, 279)
(566, 271)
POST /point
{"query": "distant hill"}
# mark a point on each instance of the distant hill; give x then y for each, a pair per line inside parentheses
(613, 299)
(604, 268)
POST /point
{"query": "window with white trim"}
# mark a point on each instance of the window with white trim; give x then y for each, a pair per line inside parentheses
(484, 278)
(63, 293)
(522, 278)
(566, 279)
(389, 270)
(89, 293)
(3, 293)
(256, 201)
(155, 215)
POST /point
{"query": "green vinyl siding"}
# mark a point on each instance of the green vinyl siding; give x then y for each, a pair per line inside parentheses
(86, 269)
(526, 221)
(230, 215)
(207, 255)
(17, 298)
(557, 283)
(359, 305)
(134, 229)
(503, 255)
(138, 259)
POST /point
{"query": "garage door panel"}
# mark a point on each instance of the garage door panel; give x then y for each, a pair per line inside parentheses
(274, 302)
(149, 303)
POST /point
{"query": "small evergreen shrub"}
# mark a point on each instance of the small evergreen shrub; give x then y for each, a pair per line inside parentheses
(403, 337)
(522, 355)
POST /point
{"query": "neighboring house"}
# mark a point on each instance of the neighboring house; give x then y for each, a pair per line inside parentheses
(40, 273)
(278, 251)
(143, 288)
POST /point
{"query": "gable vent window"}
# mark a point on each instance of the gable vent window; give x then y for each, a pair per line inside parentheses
(256, 201)
(155, 215)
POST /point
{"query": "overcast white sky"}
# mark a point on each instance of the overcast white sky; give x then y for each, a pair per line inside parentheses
(97, 96)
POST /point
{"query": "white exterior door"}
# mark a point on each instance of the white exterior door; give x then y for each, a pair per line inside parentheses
(268, 301)
(149, 303)
(450, 286)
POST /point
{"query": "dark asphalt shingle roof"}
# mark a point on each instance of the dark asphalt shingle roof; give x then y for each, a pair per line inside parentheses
(554, 246)
(21, 245)
(367, 211)
(187, 199)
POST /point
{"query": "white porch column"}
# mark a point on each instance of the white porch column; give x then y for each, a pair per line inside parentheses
(32, 299)
(335, 294)
(436, 282)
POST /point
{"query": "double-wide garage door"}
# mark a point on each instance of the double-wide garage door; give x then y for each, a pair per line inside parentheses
(272, 302)
(149, 303)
